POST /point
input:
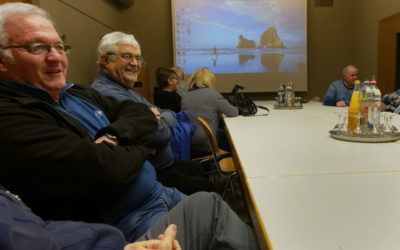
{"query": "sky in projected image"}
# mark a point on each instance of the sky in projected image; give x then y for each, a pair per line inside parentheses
(207, 34)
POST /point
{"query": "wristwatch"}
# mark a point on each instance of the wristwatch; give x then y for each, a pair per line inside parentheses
(111, 137)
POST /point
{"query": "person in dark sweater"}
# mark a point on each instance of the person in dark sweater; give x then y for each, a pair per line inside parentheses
(69, 152)
(72, 154)
(165, 95)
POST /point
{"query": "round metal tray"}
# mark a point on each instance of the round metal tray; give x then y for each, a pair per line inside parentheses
(386, 138)
(276, 106)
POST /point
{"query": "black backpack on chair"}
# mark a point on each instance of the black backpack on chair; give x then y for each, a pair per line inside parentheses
(244, 104)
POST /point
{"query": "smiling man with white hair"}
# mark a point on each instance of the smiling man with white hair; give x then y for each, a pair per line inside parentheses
(120, 62)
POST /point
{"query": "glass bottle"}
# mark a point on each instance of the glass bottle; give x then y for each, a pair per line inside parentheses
(281, 94)
(289, 94)
(366, 100)
(376, 112)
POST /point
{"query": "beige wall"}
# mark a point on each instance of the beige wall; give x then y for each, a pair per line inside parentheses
(151, 23)
(337, 36)
(82, 32)
(330, 44)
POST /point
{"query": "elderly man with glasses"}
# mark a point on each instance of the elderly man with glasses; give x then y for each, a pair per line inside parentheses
(120, 62)
(58, 140)
(72, 154)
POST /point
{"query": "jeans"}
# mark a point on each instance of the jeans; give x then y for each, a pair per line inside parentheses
(141, 219)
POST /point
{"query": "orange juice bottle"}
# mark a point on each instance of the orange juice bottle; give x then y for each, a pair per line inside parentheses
(353, 110)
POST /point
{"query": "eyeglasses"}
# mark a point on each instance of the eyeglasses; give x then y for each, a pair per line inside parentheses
(41, 48)
(128, 57)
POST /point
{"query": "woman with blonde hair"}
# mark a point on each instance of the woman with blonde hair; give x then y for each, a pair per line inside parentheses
(203, 100)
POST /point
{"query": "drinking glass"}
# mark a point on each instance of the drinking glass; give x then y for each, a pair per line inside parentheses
(375, 131)
(393, 128)
(297, 102)
(385, 127)
(339, 125)
(357, 130)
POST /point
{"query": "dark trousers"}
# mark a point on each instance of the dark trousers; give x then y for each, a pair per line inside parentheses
(205, 221)
(186, 176)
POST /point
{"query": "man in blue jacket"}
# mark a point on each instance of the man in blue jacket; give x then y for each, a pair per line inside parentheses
(120, 62)
(21, 229)
(340, 91)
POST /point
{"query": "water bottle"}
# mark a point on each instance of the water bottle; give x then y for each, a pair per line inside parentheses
(289, 94)
(281, 94)
(377, 101)
(366, 106)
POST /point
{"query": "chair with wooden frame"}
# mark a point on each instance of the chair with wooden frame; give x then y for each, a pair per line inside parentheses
(223, 160)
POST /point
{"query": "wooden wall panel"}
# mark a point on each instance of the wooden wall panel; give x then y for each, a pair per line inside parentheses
(387, 40)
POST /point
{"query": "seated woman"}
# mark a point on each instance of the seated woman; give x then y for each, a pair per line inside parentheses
(165, 95)
(203, 100)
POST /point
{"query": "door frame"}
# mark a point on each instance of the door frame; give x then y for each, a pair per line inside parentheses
(388, 29)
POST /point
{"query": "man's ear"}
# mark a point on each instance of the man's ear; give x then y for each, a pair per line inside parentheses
(3, 61)
(104, 60)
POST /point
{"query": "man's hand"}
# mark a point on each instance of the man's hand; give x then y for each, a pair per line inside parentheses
(340, 104)
(105, 138)
(155, 111)
(165, 241)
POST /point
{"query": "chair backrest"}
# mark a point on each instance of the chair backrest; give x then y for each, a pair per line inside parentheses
(210, 135)
(222, 159)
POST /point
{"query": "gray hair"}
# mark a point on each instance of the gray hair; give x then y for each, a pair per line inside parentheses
(11, 9)
(109, 43)
(179, 72)
(346, 69)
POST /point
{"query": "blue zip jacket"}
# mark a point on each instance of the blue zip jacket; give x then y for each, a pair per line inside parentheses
(21, 229)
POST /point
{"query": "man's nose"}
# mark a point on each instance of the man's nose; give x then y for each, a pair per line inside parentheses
(133, 62)
(54, 54)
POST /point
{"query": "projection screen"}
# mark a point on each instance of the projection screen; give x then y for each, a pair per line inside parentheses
(255, 43)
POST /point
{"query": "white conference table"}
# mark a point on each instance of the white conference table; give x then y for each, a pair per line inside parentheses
(307, 190)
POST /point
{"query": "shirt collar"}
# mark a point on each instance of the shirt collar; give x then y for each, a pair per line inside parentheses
(346, 86)
(34, 91)
(113, 80)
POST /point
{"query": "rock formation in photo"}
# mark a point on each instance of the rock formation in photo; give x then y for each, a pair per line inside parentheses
(245, 43)
(270, 39)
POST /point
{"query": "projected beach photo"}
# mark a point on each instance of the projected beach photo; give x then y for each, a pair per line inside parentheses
(241, 36)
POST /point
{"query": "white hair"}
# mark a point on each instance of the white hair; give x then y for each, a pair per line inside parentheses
(8, 10)
(109, 43)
